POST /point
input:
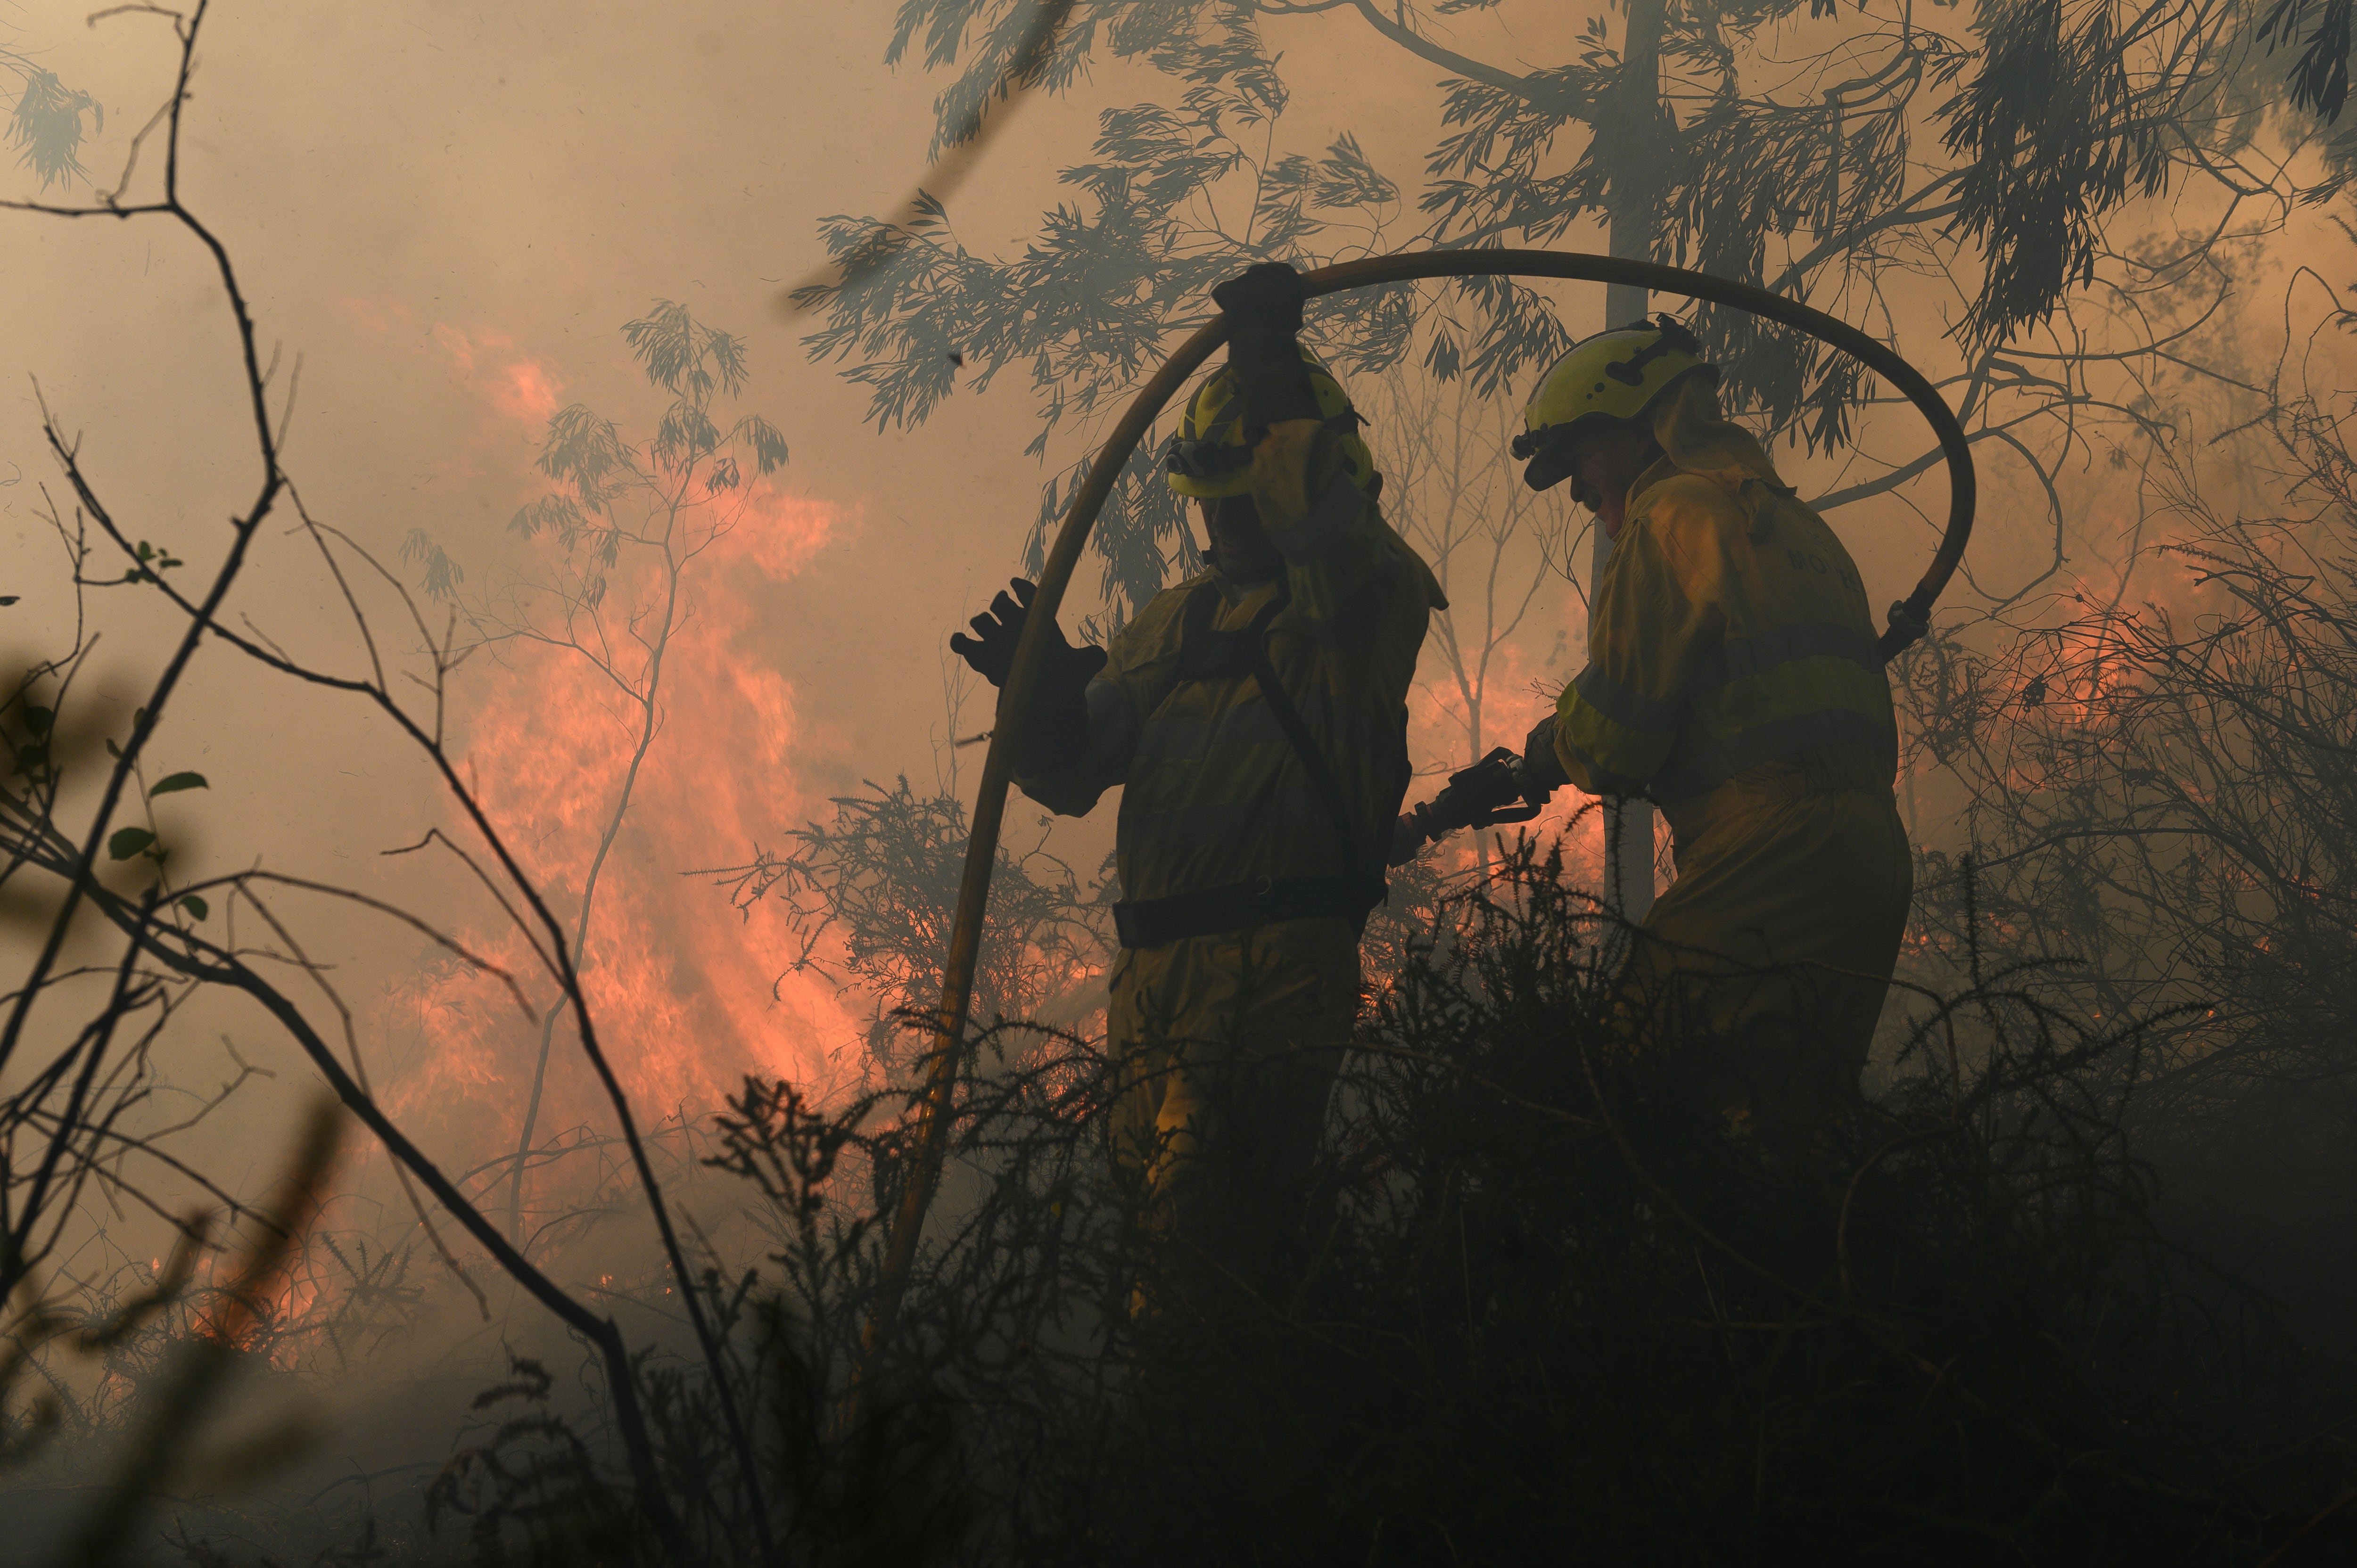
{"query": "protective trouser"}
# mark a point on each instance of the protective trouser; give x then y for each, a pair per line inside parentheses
(1771, 952)
(1229, 1047)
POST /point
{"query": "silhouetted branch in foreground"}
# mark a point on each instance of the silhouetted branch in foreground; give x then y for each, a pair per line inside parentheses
(166, 948)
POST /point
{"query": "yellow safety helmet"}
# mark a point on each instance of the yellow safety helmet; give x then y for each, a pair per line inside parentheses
(1209, 456)
(1613, 375)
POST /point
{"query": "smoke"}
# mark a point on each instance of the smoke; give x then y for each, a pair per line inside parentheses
(395, 181)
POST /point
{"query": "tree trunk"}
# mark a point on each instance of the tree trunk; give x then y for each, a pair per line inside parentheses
(1635, 163)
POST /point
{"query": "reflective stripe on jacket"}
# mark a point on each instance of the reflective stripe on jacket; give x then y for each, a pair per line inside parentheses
(1212, 793)
(1729, 629)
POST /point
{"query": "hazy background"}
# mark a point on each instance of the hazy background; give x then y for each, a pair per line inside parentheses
(446, 212)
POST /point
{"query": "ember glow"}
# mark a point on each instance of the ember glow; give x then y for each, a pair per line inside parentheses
(519, 386)
(686, 997)
(1516, 693)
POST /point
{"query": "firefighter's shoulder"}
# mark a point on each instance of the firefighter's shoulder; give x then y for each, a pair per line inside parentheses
(1156, 630)
(1684, 513)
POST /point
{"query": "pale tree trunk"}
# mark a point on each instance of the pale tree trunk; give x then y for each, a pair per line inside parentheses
(1629, 824)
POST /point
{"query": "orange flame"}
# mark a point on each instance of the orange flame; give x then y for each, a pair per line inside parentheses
(1516, 695)
(686, 997)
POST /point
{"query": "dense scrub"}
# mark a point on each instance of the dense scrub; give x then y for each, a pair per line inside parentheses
(2160, 788)
(1547, 1309)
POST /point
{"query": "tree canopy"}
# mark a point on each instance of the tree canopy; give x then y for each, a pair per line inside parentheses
(1966, 185)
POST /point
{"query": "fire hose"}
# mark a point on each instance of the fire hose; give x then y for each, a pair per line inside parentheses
(1910, 617)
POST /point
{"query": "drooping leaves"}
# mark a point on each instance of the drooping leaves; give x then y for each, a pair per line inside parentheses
(2319, 73)
(440, 575)
(769, 445)
(2055, 133)
(45, 124)
(2057, 114)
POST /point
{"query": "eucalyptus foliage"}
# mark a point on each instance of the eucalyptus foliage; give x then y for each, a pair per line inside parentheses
(45, 119)
(1866, 162)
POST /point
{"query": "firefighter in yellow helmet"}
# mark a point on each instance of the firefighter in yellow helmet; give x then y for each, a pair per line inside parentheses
(1254, 719)
(1733, 676)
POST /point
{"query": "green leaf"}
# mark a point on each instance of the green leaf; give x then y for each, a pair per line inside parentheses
(178, 781)
(128, 841)
(195, 905)
(39, 719)
(557, 514)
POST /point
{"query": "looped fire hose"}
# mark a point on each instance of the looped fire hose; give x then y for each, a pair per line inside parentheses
(1908, 617)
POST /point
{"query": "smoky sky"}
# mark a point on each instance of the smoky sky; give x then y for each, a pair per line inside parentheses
(446, 212)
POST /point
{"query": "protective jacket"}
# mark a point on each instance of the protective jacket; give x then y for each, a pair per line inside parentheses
(1730, 627)
(1219, 798)
(1734, 677)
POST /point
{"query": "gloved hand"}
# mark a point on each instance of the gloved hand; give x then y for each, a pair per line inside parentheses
(991, 649)
(1267, 297)
(1542, 771)
(1262, 305)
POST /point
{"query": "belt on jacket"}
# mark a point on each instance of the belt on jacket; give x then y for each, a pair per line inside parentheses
(1239, 906)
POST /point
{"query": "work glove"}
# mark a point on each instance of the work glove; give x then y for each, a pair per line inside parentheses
(991, 648)
(1542, 771)
(1055, 723)
(1262, 305)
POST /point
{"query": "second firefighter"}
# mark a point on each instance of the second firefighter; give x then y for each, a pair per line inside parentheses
(1734, 677)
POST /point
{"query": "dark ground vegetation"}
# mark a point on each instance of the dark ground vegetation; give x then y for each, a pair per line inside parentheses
(1553, 1312)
